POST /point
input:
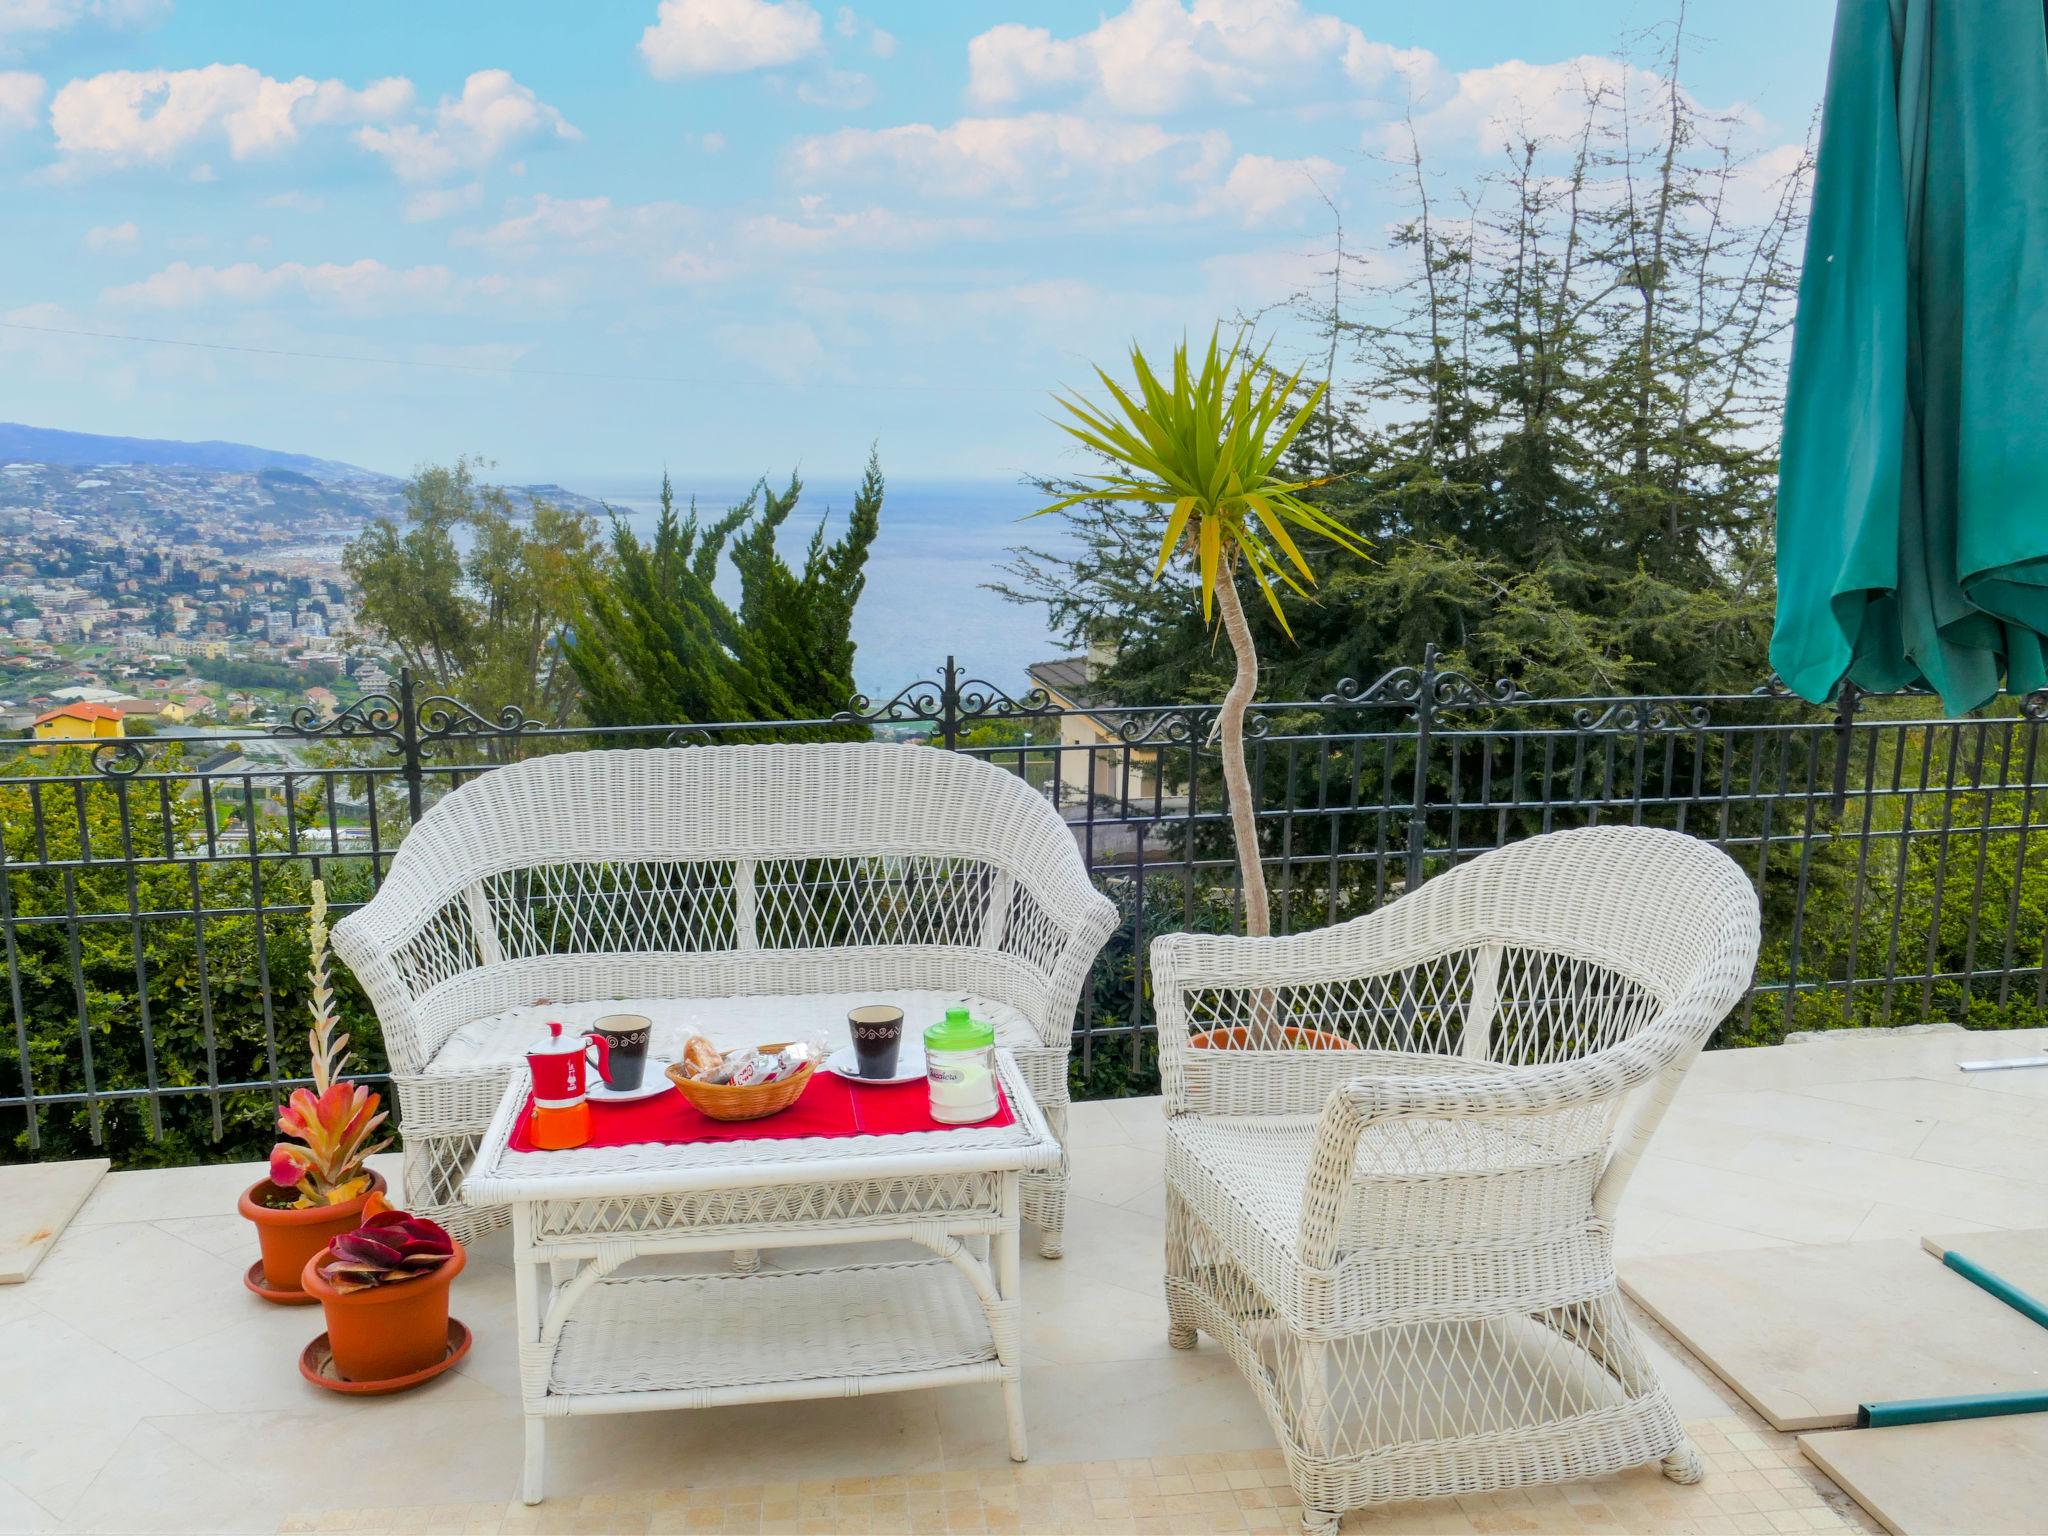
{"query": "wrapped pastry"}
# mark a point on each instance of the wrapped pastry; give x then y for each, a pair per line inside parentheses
(701, 1058)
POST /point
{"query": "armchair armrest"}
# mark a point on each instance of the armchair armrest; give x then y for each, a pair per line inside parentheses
(1466, 1091)
(1082, 919)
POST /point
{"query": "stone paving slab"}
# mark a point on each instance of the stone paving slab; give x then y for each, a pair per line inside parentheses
(1807, 1333)
(2018, 1257)
(1985, 1476)
(37, 1201)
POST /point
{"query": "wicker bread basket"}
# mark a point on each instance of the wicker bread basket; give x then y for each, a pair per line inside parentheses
(724, 1101)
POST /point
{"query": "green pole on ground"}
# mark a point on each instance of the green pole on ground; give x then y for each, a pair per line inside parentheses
(2027, 1306)
(1937, 1410)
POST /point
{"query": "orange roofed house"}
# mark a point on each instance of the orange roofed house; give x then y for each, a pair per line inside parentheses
(78, 722)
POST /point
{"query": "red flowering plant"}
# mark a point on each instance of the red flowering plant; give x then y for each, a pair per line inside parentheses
(390, 1246)
(332, 1122)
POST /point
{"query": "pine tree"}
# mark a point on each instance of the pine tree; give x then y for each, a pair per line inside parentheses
(657, 645)
(1556, 424)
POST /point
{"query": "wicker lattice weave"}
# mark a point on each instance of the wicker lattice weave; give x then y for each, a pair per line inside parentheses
(765, 874)
(1408, 1247)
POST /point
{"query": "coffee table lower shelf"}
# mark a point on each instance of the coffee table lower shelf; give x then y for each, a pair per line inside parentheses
(635, 1342)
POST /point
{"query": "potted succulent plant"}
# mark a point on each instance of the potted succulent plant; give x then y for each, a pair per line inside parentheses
(318, 1184)
(384, 1288)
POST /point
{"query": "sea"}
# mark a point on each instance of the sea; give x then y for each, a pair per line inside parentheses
(927, 596)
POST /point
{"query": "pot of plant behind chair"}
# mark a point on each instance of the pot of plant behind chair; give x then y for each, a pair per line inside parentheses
(318, 1183)
(384, 1288)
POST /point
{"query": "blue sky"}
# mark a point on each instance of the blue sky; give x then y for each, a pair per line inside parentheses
(724, 235)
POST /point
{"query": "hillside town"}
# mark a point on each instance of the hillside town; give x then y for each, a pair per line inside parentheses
(175, 597)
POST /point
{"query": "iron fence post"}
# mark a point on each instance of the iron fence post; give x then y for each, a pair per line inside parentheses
(409, 745)
(1418, 805)
(949, 705)
(1847, 701)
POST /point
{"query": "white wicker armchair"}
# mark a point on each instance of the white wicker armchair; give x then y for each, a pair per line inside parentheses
(751, 893)
(1408, 1247)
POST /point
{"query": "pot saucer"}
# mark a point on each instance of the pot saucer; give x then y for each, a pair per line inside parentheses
(316, 1364)
(254, 1280)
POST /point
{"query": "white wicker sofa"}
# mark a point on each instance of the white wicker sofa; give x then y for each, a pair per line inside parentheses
(749, 892)
(1408, 1246)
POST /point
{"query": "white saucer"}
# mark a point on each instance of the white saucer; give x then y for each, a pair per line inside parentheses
(843, 1063)
(653, 1080)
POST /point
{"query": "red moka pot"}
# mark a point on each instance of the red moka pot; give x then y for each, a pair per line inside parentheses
(560, 1066)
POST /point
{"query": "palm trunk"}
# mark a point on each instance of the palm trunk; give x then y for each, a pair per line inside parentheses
(1258, 917)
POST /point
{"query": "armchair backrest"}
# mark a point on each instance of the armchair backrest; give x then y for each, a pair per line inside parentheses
(709, 870)
(1544, 951)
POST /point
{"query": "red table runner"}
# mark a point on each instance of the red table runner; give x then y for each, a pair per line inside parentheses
(828, 1106)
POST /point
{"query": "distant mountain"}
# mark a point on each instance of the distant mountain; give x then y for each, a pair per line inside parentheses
(287, 473)
(47, 445)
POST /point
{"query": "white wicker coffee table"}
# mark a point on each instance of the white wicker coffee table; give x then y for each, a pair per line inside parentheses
(595, 1337)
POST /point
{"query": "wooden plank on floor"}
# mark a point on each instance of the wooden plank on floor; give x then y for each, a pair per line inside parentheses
(36, 1202)
(1806, 1333)
(1985, 1476)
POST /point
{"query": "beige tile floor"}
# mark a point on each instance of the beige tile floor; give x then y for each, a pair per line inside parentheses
(144, 1390)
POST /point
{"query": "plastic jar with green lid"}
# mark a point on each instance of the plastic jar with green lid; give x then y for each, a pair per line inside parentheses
(960, 1068)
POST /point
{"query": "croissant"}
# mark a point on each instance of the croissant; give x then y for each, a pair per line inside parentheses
(700, 1056)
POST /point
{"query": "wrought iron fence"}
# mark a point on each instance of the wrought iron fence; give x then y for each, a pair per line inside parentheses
(153, 889)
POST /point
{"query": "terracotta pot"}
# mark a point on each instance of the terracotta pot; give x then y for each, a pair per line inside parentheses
(389, 1330)
(1242, 1039)
(290, 1237)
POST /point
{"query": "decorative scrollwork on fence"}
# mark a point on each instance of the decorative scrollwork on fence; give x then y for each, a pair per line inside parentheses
(1643, 715)
(1773, 688)
(1178, 727)
(2035, 705)
(1405, 687)
(375, 715)
(1456, 691)
(1169, 727)
(444, 719)
(916, 702)
(934, 701)
(689, 736)
(985, 701)
(119, 759)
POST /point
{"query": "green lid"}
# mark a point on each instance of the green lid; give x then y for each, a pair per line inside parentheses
(958, 1032)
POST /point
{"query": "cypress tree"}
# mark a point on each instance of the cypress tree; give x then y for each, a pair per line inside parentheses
(658, 645)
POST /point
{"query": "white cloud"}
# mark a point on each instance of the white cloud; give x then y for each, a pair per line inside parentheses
(845, 90)
(711, 143)
(723, 37)
(367, 287)
(1482, 109)
(1162, 56)
(1260, 188)
(882, 44)
(1757, 186)
(1033, 158)
(866, 229)
(364, 286)
(568, 222)
(784, 349)
(107, 235)
(152, 116)
(665, 240)
(297, 202)
(25, 21)
(21, 93)
(466, 133)
(432, 203)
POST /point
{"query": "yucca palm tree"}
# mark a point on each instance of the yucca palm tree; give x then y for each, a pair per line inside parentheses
(1199, 452)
